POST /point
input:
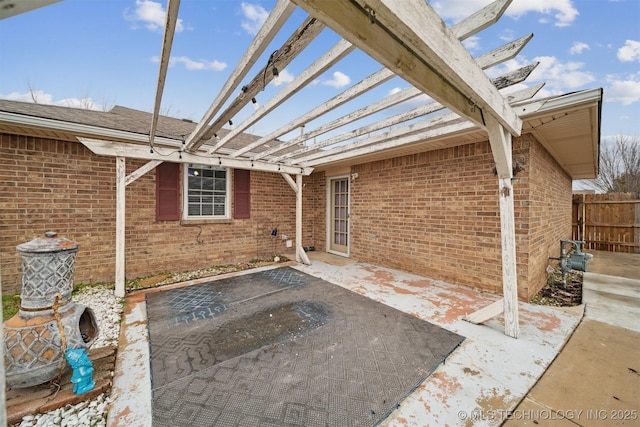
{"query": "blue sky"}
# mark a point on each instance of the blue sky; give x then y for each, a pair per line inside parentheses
(99, 53)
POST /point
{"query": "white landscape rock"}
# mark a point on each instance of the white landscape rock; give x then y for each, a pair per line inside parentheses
(107, 309)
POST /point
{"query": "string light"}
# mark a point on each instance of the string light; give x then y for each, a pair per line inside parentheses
(242, 92)
(255, 103)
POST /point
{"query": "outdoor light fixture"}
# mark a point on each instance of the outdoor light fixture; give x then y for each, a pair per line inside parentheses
(230, 124)
(255, 103)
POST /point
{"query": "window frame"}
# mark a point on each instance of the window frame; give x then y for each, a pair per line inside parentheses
(185, 199)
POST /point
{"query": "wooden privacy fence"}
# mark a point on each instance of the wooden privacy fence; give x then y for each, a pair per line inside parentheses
(607, 222)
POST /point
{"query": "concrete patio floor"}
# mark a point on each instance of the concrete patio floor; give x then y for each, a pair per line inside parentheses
(480, 382)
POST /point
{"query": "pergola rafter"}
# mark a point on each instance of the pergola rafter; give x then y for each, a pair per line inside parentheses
(502, 82)
(490, 59)
(400, 136)
(276, 19)
(339, 51)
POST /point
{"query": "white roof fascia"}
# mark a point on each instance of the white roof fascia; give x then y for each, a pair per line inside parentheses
(558, 103)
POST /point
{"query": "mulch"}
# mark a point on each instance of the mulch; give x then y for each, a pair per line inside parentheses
(558, 294)
(57, 394)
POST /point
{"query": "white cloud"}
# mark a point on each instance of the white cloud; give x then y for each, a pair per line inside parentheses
(36, 96)
(283, 77)
(625, 91)
(84, 104)
(152, 15)
(578, 48)
(339, 80)
(630, 52)
(41, 97)
(255, 15)
(561, 12)
(192, 65)
(472, 43)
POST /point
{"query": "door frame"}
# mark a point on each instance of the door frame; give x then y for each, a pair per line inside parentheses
(329, 211)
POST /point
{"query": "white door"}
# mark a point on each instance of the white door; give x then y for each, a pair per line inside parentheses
(339, 215)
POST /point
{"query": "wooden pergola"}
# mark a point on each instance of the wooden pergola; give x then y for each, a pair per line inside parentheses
(409, 41)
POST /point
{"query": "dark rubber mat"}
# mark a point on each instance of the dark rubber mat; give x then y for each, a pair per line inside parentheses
(283, 348)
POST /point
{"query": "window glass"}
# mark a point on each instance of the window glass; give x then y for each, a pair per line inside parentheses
(207, 191)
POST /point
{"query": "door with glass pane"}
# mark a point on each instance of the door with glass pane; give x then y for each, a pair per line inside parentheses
(339, 215)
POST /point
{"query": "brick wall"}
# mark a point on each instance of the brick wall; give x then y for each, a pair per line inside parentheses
(436, 214)
(314, 211)
(549, 214)
(433, 213)
(60, 185)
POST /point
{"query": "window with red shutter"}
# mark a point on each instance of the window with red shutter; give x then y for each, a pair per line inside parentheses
(168, 192)
(241, 194)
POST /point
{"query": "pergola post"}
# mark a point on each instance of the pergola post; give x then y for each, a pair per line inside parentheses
(120, 224)
(509, 276)
(301, 255)
(500, 141)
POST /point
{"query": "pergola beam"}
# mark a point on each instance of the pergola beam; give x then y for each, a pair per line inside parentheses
(470, 26)
(412, 40)
(489, 59)
(119, 149)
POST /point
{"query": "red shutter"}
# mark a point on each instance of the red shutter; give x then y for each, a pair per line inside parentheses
(168, 192)
(241, 194)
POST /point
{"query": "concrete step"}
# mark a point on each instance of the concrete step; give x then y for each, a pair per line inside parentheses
(613, 300)
(612, 285)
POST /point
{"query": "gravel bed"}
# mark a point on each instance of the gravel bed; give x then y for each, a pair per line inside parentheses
(108, 311)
